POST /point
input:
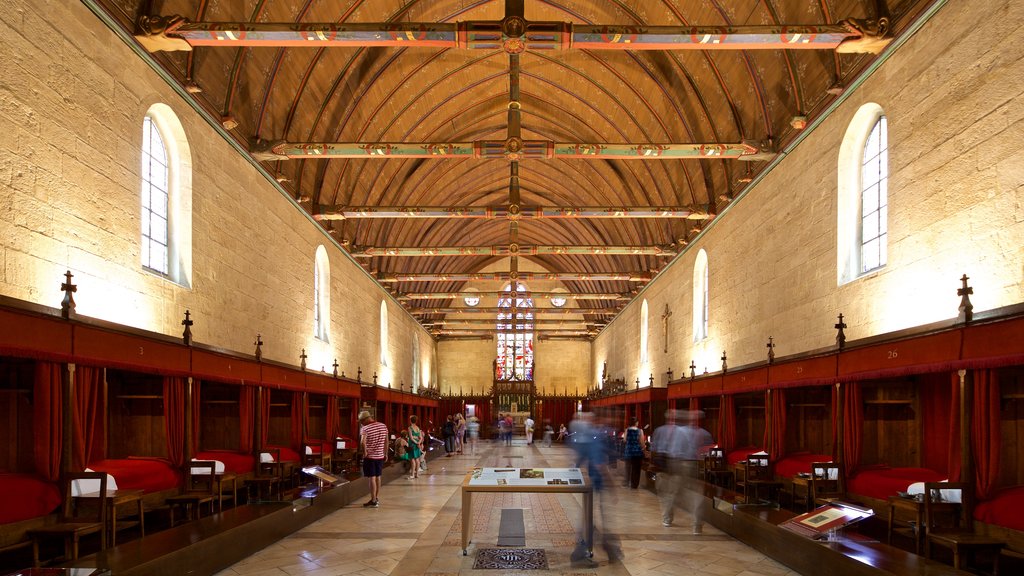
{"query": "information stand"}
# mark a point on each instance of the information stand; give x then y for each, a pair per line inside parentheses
(542, 480)
(824, 522)
(324, 479)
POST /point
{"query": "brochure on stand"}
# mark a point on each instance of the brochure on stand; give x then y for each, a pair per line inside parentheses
(817, 523)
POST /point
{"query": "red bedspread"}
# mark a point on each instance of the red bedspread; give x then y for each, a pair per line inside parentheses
(234, 462)
(140, 473)
(740, 454)
(287, 454)
(26, 496)
(881, 483)
(793, 464)
(1005, 509)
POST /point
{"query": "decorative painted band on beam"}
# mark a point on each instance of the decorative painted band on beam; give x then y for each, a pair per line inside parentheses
(511, 149)
(558, 276)
(476, 331)
(338, 212)
(482, 322)
(512, 35)
(507, 294)
(412, 251)
(535, 311)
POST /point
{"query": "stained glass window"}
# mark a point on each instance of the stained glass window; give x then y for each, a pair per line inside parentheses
(515, 338)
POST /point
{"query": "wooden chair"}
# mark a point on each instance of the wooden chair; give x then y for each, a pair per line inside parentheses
(74, 523)
(268, 473)
(826, 483)
(757, 475)
(200, 489)
(716, 469)
(952, 527)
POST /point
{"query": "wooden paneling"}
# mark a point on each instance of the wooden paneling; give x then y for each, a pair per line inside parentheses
(316, 419)
(16, 384)
(750, 419)
(892, 432)
(803, 372)
(1011, 461)
(279, 432)
(136, 415)
(809, 420)
(745, 381)
(224, 368)
(108, 348)
(219, 418)
(710, 405)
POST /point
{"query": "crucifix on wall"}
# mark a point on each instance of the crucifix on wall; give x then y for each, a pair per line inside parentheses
(664, 326)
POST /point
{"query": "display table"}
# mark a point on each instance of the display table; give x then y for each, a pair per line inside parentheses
(541, 480)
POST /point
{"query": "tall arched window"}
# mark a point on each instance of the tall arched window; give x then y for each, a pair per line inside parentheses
(321, 294)
(515, 337)
(384, 332)
(863, 205)
(700, 297)
(643, 334)
(166, 196)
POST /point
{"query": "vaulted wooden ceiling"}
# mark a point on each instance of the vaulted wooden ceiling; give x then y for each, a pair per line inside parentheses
(513, 129)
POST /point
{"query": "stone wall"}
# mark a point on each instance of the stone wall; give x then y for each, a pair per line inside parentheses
(72, 102)
(952, 96)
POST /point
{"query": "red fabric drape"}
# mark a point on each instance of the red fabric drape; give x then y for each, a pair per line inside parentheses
(174, 419)
(835, 423)
(298, 422)
(87, 417)
(933, 393)
(727, 424)
(331, 425)
(694, 404)
(196, 413)
(264, 417)
(853, 425)
(985, 440)
(953, 458)
(775, 435)
(246, 418)
(47, 419)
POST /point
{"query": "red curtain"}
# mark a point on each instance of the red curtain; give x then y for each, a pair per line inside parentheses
(953, 458)
(835, 423)
(47, 417)
(985, 440)
(298, 421)
(246, 418)
(853, 424)
(775, 435)
(174, 419)
(87, 417)
(196, 417)
(727, 423)
(264, 417)
(936, 450)
(332, 418)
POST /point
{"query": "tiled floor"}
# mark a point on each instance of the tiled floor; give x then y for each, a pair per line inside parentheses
(416, 530)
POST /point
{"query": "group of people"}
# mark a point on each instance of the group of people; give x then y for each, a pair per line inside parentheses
(457, 432)
(674, 448)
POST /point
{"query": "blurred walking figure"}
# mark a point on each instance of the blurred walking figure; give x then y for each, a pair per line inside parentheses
(588, 440)
(633, 453)
(679, 440)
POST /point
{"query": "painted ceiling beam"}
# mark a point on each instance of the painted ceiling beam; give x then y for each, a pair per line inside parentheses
(507, 294)
(512, 148)
(512, 34)
(569, 324)
(535, 311)
(413, 251)
(483, 331)
(528, 276)
(340, 212)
